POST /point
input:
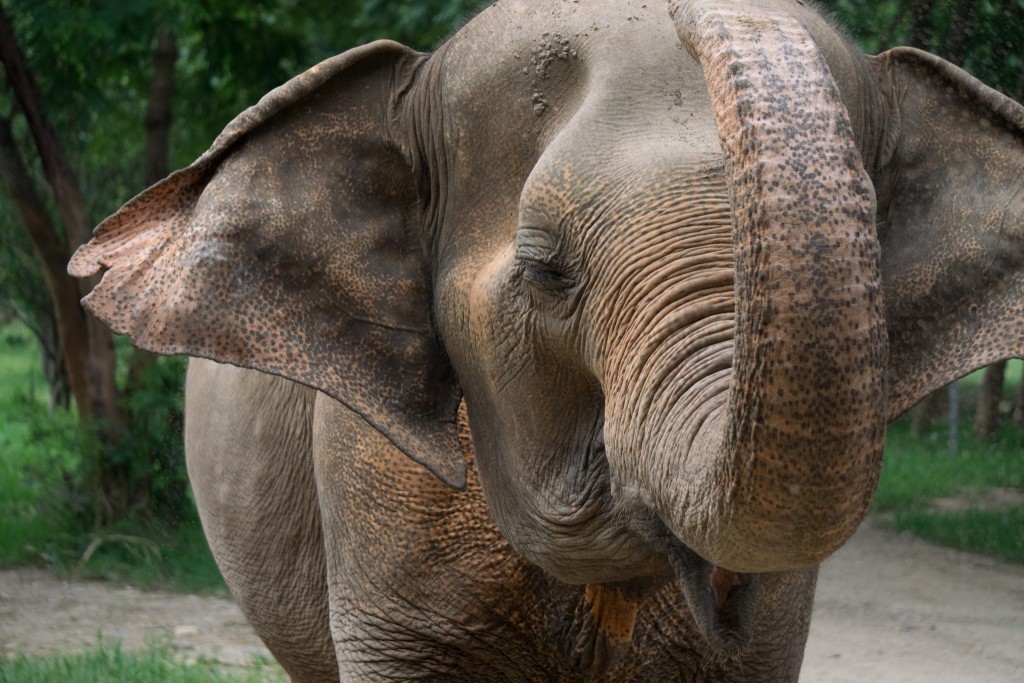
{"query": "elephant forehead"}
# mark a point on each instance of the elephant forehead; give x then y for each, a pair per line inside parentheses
(518, 74)
(543, 111)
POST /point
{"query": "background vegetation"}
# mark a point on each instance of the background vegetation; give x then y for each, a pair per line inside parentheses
(100, 98)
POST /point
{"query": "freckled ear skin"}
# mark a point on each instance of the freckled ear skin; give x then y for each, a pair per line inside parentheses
(951, 224)
(292, 247)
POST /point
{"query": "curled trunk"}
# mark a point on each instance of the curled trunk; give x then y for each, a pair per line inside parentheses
(794, 457)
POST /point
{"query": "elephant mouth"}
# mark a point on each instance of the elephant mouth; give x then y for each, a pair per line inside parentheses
(721, 601)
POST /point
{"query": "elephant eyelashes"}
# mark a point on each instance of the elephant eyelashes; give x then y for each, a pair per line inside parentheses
(541, 269)
(547, 276)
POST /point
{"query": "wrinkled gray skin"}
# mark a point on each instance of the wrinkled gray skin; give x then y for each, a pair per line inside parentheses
(680, 269)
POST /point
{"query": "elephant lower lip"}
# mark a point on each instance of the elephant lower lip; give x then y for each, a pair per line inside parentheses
(722, 583)
(721, 601)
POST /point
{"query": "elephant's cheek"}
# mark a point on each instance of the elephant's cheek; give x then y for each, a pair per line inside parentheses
(490, 325)
(483, 339)
(468, 316)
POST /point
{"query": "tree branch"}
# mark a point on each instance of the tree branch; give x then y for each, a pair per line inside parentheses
(62, 180)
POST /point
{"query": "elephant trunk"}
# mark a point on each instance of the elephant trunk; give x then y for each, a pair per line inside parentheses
(780, 476)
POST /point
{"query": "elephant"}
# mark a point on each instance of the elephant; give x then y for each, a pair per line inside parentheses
(566, 351)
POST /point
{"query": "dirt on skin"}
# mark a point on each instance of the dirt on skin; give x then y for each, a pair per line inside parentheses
(890, 608)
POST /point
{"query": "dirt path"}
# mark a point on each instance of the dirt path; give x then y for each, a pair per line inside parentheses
(890, 609)
(40, 614)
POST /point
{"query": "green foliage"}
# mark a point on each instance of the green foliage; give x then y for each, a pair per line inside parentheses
(145, 468)
(45, 508)
(988, 532)
(147, 555)
(108, 662)
(917, 472)
(37, 455)
(417, 24)
(986, 40)
(151, 451)
(25, 297)
(93, 64)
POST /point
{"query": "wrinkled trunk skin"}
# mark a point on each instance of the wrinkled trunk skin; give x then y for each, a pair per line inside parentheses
(781, 474)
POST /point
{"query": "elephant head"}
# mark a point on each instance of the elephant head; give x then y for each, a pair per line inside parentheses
(682, 267)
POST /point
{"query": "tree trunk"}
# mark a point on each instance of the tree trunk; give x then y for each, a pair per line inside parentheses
(925, 413)
(51, 358)
(101, 405)
(986, 416)
(158, 109)
(69, 199)
(1018, 405)
(953, 442)
(38, 318)
(52, 254)
(158, 133)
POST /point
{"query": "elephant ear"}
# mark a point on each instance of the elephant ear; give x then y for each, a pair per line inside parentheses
(294, 246)
(951, 224)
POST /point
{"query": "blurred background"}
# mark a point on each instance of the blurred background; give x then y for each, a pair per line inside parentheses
(101, 98)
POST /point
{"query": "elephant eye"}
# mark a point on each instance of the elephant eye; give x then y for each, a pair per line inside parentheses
(541, 269)
(537, 254)
(547, 275)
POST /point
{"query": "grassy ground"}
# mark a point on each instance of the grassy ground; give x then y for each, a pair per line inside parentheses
(149, 557)
(919, 471)
(34, 450)
(107, 663)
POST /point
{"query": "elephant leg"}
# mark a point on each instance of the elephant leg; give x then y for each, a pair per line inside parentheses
(381, 617)
(248, 443)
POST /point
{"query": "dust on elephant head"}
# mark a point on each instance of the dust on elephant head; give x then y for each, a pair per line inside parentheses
(683, 271)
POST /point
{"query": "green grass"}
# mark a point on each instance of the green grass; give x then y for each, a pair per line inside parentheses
(918, 471)
(108, 663)
(36, 451)
(181, 561)
(997, 533)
